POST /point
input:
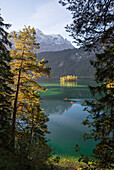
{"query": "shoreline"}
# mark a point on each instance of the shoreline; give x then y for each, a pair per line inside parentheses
(66, 162)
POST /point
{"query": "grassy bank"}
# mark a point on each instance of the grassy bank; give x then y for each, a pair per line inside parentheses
(69, 163)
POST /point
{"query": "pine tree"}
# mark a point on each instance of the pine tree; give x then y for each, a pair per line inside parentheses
(92, 21)
(5, 95)
(29, 126)
(101, 110)
(93, 26)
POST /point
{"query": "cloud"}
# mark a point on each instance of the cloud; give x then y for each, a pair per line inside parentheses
(51, 17)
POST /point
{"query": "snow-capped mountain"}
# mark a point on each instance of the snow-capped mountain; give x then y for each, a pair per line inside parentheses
(52, 42)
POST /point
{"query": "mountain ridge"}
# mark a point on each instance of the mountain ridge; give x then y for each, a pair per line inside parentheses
(52, 42)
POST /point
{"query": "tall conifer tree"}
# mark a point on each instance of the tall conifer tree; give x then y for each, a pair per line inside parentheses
(5, 94)
(29, 126)
(93, 27)
(92, 21)
(101, 110)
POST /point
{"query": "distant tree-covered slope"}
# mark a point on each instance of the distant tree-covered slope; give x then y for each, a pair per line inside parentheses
(70, 61)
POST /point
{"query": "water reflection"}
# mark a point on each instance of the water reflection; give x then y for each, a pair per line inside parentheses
(65, 119)
(55, 106)
(66, 83)
(66, 131)
(54, 98)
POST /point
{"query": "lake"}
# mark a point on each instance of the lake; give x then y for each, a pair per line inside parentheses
(63, 104)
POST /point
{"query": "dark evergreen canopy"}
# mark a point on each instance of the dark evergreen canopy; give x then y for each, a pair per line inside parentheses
(5, 94)
(92, 20)
(93, 23)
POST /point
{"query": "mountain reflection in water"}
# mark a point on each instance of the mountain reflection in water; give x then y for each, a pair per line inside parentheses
(64, 106)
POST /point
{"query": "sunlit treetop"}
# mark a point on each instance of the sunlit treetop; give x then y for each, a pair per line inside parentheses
(25, 65)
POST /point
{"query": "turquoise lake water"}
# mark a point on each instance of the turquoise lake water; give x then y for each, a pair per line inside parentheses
(63, 104)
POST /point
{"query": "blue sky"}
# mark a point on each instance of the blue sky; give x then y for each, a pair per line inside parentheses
(47, 15)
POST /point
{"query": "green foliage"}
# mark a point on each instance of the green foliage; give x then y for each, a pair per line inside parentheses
(5, 95)
(57, 159)
(92, 20)
(52, 161)
(92, 23)
(101, 110)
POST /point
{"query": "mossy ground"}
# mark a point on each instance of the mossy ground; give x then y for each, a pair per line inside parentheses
(66, 163)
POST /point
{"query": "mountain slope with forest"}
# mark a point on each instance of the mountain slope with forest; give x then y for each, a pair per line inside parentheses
(62, 57)
(69, 62)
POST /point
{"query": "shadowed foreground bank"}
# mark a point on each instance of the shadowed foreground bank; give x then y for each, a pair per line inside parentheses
(69, 163)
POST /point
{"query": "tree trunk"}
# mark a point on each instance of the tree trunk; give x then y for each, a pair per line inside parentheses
(15, 108)
(32, 127)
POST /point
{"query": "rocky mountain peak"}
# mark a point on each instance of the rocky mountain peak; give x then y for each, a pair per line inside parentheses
(52, 42)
